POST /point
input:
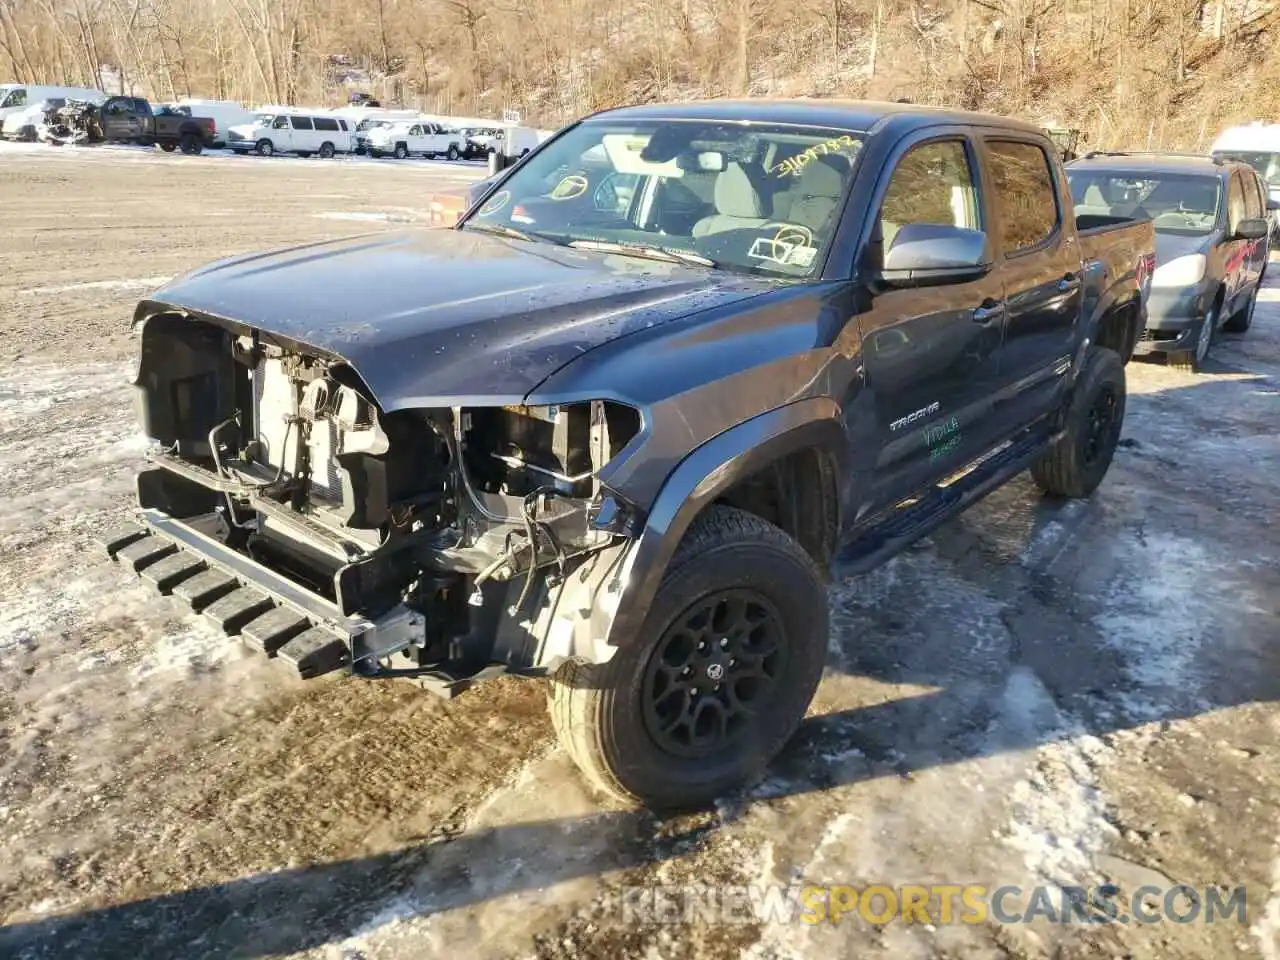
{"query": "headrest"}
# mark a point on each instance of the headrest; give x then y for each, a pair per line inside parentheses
(736, 195)
(820, 178)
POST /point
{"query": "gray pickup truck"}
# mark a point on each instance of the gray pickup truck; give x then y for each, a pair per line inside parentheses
(620, 426)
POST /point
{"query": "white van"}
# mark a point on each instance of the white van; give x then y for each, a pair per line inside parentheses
(303, 132)
(225, 114)
(1257, 144)
(19, 96)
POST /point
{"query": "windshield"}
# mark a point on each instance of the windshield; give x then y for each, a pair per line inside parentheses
(1267, 164)
(1178, 204)
(756, 198)
(263, 119)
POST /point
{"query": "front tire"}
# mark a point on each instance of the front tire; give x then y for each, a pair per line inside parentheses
(167, 147)
(453, 153)
(717, 681)
(1193, 360)
(265, 148)
(1075, 465)
(401, 151)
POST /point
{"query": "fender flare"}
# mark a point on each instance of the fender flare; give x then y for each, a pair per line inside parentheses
(1120, 295)
(699, 479)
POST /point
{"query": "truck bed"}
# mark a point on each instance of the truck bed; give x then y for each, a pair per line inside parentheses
(1118, 242)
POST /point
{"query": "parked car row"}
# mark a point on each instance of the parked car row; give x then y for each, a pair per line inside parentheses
(42, 112)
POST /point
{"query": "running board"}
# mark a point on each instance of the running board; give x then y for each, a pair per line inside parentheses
(913, 519)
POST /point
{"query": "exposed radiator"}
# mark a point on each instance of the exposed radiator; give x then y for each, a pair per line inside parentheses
(274, 399)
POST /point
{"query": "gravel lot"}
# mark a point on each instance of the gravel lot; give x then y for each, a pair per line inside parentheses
(1039, 693)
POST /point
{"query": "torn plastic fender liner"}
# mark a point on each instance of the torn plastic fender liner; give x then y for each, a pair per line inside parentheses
(696, 483)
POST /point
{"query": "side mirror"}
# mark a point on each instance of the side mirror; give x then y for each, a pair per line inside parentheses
(1255, 228)
(924, 254)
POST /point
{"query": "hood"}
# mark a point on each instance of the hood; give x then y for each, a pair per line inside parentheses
(1170, 247)
(432, 318)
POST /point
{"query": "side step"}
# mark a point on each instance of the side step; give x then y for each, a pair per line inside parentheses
(950, 496)
(273, 629)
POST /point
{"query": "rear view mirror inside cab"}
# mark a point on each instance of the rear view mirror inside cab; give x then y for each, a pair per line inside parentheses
(706, 161)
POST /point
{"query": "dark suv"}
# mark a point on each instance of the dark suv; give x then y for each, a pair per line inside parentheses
(1211, 223)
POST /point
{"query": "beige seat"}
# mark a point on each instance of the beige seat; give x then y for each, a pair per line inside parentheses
(738, 203)
(813, 203)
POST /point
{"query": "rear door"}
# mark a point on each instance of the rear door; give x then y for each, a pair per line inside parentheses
(930, 354)
(1038, 258)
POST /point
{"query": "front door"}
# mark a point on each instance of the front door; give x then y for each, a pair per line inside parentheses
(1242, 259)
(118, 122)
(1039, 264)
(930, 353)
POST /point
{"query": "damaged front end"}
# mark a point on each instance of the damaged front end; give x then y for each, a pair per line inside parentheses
(442, 544)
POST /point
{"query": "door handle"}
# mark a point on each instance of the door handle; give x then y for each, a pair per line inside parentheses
(1068, 283)
(988, 311)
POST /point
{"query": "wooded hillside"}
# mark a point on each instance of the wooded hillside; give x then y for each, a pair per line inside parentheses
(1137, 73)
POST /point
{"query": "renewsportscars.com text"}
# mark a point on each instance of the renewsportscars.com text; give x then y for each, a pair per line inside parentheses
(937, 904)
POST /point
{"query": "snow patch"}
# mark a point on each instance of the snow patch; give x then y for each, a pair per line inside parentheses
(1160, 613)
(366, 217)
(139, 283)
(1057, 820)
(1267, 928)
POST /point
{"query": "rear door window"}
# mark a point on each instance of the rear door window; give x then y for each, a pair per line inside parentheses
(326, 123)
(1025, 197)
(302, 123)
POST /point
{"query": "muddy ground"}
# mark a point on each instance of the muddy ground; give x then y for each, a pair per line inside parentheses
(1038, 694)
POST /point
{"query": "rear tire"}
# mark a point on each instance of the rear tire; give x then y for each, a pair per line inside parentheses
(326, 150)
(1242, 319)
(1075, 465)
(191, 144)
(265, 148)
(718, 679)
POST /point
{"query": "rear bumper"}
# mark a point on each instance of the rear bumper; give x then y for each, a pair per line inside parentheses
(272, 614)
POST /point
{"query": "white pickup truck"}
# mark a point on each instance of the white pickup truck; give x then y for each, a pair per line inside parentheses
(415, 137)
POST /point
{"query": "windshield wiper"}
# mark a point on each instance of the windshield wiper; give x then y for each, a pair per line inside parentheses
(499, 229)
(641, 250)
